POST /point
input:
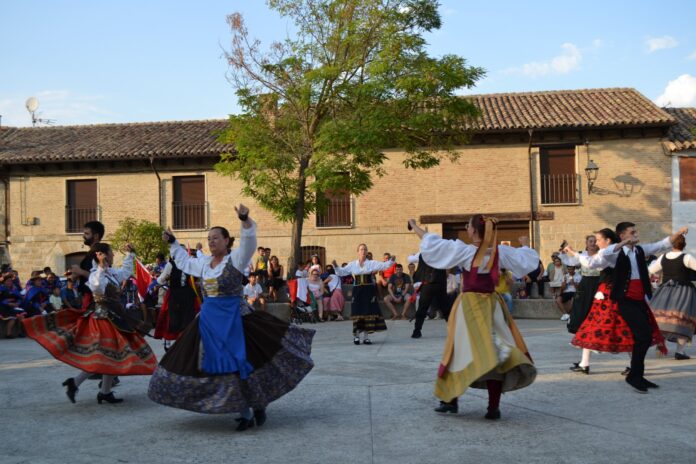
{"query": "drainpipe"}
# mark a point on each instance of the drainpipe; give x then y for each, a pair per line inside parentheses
(531, 190)
(159, 191)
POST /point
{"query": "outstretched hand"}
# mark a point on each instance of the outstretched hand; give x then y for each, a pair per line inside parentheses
(129, 248)
(168, 236)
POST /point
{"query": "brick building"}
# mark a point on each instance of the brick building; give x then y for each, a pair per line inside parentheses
(526, 165)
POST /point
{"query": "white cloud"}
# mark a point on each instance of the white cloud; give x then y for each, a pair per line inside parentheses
(693, 56)
(62, 107)
(597, 43)
(679, 92)
(569, 60)
(654, 44)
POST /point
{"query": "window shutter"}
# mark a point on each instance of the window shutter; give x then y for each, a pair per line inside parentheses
(687, 178)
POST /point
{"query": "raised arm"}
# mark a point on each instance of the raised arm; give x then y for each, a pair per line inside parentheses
(520, 261)
(444, 254)
(241, 257)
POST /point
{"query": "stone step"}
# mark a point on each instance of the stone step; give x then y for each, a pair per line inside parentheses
(535, 309)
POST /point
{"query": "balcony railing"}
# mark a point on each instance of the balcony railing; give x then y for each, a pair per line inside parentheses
(190, 215)
(338, 213)
(76, 218)
(559, 189)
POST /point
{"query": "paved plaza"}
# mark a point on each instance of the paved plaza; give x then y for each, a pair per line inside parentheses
(363, 405)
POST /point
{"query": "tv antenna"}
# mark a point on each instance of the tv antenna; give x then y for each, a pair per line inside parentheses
(32, 105)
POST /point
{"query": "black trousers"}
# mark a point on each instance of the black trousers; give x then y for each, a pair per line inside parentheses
(435, 294)
(636, 316)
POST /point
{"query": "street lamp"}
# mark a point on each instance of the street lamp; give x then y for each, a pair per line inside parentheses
(591, 170)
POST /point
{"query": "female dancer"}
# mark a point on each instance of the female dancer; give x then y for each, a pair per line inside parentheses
(604, 329)
(674, 302)
(365, 312)
(484, 349)
(229, 359)
(588, 285)
(334, 301)
(102, 339)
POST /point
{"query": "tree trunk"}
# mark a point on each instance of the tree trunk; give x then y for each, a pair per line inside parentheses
(298, 223)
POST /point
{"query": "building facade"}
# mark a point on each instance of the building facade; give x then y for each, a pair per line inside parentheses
(525, 165)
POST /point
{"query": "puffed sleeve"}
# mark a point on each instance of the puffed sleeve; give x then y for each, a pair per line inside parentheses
(187, 264)
(656, 266)
(520, 261)
(126, 270)
(97, 280)
(164, 276)
(241, 257)
(343, 271)
(569, 260)
(376, 266)
(444, 254)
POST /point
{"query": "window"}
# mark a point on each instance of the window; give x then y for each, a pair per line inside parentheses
(687, 179)
(559, 181)
(338, 210)
(82, 204)
(190, 210)
(307, 251)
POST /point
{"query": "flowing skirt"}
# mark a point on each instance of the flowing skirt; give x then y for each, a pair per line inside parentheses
(604, 329)
(483, 343)
(365, 312)
(335, 303)
(278, 353)
(674, 306)
(582, 302)
(91, 344)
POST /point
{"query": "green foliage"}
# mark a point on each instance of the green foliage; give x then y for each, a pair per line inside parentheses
(145, 236)
(320, 108)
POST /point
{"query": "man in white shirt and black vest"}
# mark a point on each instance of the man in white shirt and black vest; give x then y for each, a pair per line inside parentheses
(631, 286)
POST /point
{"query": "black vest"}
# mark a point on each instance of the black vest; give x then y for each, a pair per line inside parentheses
(426, 273)
(175, 277)
(675, 270)
(622, 274)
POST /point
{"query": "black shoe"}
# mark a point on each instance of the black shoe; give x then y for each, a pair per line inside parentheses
(367, 341)
(649, 384)
(493, 414)
(416, 334)
(681, 356)
(244, 424)
(260, 416)
(109, 398)
(444, 407)
(115, 382)
(576, 367)
(626, 371)
(356, 340)
(637, 384)
(72, 389)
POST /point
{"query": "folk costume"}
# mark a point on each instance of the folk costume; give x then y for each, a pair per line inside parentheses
(484, 348)
(230, 359)
(432, 291)
(674, 302)
(98, 340)
(365, 311)
(180, 305)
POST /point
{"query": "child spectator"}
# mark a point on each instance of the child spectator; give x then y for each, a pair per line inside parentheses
(70, 297)
(261, 268)
(571, 280)
(254, 293)
(55, 301)
(504, 287)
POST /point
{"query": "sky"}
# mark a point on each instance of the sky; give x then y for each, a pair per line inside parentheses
(91, 62)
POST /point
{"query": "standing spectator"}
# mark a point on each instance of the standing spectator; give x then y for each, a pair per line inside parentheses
(261, 268)
(571, 280)
(275, 276)
(400, 291)
(254, 293)
(334, 301)
(555, 273)
(505, 280)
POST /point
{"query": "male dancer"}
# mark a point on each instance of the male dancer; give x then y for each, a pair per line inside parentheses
(631, 284)
(93, 233)
(433, 290)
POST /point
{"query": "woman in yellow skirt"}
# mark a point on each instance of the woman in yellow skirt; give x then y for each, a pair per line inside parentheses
(484, 348)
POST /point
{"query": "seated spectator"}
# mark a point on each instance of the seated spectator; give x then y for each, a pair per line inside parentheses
(505, 281)
(160, 262)
(315, 286)
(382, 278)
(10, 303)
(36, 298)
(261, 267)
(70, 296)
(535, 277)
(571, 280)
(302, 271)
(52, 281)
(334, 301)
(555, 273)
(275, 276)
(254, 293)
(54, 300)
(399, 289)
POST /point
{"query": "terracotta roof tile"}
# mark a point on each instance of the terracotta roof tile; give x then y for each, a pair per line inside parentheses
(567, 109)
(681, 136)
(183, 139)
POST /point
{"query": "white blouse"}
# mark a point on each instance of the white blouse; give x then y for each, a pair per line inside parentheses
(99, 277)
(334, 282)
(445, 254)
(368, 267)
(201, 265)
(575, 261)
(689, 261)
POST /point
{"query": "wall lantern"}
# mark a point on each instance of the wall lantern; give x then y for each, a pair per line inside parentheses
(591, 170)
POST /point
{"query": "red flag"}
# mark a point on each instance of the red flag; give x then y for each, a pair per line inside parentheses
(143, 279)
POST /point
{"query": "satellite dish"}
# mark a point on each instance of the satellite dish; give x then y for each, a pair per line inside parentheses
(32, 104)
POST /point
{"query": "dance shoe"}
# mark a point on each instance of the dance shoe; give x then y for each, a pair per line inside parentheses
(416, 334)
(109, 398)
(493, 414)
(356, 340)
(681, 356)
(649, 384)
(444, 407)
(72, 389)
(637, 384)
(260, 416)
(626, 371)
(367, 341)
(576, 367)
(244, 424)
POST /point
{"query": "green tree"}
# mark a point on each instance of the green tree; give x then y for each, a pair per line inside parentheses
(319, 108)
(145, 236)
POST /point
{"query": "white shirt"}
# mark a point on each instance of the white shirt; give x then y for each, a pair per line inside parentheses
(99, 277)
(334, 282)
(607, 256)
(444, 254)
(200, 266)
(575, 261)
(571, 282)
(689, 261)
(368, 267)
(252, 292)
